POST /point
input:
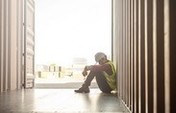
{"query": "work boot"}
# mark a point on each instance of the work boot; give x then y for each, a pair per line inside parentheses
(83, 89)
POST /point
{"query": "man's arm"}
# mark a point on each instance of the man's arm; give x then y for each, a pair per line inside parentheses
(104, 67)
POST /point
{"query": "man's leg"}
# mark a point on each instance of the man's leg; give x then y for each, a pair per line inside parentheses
(102, 83)
(87, 82)
(89, 78)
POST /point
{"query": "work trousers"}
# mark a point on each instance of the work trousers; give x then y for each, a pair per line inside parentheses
(100, 79)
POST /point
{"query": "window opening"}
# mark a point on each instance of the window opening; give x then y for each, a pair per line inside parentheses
(68, 34)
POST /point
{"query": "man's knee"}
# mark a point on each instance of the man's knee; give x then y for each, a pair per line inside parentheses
(96, 72)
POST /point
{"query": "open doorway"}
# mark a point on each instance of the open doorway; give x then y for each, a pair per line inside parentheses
(68, 34)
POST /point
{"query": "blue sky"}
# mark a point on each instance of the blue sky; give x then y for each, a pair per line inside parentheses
(71, 28)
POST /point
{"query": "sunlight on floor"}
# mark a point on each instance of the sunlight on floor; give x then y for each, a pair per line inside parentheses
(59, 101)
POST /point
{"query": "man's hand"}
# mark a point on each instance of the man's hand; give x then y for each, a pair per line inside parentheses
(84, 73)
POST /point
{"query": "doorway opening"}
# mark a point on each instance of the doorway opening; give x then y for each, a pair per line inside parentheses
(68, 34)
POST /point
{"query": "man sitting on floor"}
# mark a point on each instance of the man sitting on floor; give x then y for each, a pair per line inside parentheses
(104, 73)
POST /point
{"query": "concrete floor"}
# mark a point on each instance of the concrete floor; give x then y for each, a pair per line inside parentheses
(59, 101)
(64, 82)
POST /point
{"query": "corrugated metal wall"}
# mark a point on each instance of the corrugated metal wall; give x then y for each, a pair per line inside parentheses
(5, 46)
(144, 41)
(9, 43)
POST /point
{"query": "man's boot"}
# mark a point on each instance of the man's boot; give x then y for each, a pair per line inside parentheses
(83, 89)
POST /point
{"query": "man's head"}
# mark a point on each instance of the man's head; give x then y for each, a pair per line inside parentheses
(100, 57)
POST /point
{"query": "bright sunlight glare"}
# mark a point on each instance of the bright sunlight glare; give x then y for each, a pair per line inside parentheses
(67, 29)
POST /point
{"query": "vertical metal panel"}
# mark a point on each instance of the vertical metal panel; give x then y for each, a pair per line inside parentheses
(167, 56)
(1, 45)
(115, 53)
(123, 51)
(12, 80)
(117, 35)
(142, 57)
(122, 65)
(154, 56)
(132, 55)
(29, 43)
(9, 45)
(5, 46)
(135, 71)
(128, 54)
(125, 54)
(115, 38)
(121, 46)
(172, 57)
(160, 56)
(19, 37)
(19, 43)
(149, 58)
(139, 55)
(120, 37)
(146, 55)
(136, 64)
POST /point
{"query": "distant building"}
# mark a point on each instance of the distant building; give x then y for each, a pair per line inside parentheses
(41, 67)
